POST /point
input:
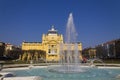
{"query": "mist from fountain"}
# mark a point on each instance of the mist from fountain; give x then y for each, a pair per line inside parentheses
(71, 36)
(69, 58)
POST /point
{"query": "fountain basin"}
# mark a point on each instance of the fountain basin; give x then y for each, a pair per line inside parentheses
(96, 73)
(67, 68)
(24, 78)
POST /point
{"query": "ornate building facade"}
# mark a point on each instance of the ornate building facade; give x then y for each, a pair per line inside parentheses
(50, 45)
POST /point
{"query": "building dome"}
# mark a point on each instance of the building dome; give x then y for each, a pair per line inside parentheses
(52, 31)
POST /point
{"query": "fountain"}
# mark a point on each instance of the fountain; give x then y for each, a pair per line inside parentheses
(98, 60)
(69, 67)
(69, 59)
(31, 64)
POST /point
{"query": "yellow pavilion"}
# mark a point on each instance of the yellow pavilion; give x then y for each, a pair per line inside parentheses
(48, 49)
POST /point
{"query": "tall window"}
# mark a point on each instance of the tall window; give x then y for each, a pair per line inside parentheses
(52, 49)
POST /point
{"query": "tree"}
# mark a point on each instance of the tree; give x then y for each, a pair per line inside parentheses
(101, 52)
(117, 48)
(13, 54)
(33, 55)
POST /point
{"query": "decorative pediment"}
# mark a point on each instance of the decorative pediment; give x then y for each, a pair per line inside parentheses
(53, 42)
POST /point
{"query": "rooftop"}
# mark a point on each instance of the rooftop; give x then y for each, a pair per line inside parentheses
(52, 31)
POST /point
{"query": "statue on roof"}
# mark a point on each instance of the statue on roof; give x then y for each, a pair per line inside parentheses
(52, 29)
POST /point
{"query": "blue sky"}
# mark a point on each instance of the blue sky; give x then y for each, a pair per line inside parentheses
(96, 21)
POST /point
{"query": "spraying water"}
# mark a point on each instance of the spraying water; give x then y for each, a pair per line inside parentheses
(71, 33)
(69, 57)
(71, 54)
